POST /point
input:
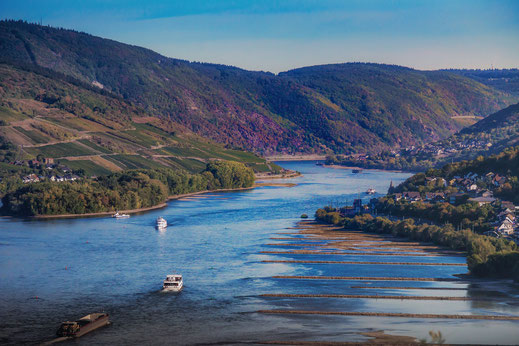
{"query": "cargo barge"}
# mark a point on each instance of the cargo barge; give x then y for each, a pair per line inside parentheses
(84, 325)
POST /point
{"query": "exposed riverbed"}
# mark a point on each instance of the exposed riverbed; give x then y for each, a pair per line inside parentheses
(244, 259)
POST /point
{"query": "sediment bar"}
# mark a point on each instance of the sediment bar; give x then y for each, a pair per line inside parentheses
(378, 263)
(393, 314)
(295, 244)
(303, 252)
(362, 278)
(412, 288)
(319, 239)
(365, 296)
(356, 246)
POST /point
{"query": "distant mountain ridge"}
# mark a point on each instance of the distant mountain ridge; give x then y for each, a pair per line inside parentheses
(340, 108)
(506, 80)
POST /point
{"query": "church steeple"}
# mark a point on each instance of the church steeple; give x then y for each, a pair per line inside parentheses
(391, 187)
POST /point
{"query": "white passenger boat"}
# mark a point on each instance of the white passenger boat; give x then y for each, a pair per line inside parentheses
(118, 215)
(161, 223)
(173, 283)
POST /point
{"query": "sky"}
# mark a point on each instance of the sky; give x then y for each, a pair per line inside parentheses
(277, 36)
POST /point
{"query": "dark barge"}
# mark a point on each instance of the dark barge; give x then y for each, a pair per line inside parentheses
(84, 325)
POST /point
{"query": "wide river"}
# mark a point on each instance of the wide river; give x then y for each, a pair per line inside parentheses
(57, 270)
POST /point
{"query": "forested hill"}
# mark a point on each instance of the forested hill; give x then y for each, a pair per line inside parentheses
(60, 120)
(505, 119)
(393, 101)
(488, 136)
(341, 108)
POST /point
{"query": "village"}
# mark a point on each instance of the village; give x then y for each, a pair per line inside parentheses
(54, 172)
(440, 149)
(460, 189)
(415, 158)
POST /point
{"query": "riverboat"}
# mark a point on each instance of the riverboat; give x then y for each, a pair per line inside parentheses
(84, 325)
(161, 223)
(356, 171)
(118, 215)
(370, 191)
(173, 283)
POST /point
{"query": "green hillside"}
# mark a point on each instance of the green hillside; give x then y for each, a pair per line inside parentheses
(392, 102)
(341, 108)
(46, 117)
(488, 136)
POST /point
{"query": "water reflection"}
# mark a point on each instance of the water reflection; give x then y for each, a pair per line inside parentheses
(75, 267)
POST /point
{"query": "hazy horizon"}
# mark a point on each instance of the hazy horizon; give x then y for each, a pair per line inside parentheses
(278, 37)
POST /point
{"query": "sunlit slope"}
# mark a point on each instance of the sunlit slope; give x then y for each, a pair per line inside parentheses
(341, 108)
(99, 133)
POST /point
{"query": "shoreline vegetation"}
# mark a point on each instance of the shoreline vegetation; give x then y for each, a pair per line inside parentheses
(438, 208)
(302, 157)
(287, 174)
(140, 210)
(367, 169)
(486, 256)
(124, 191)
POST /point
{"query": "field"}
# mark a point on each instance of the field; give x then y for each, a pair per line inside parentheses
(60, 150)
(132, 161)
(144, 138)
(78, 124)
(190, 165)
(185, 152)
(90, 167)
(94, 146)
(260, 168)
(35, 135)
(9, 115)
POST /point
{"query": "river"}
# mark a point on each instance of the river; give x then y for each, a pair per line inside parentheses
(57, 270)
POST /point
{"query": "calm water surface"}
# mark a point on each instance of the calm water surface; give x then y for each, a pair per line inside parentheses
(75, 267)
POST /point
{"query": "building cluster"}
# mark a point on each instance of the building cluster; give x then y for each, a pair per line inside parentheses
(415, 196)
(47, 163)
(479, 187)
(438, 149)
(33, 178)
(506, 225)
(358, 208)
(474, 188)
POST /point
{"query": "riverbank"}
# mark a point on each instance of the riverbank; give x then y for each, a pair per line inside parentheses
(487, 257)
(351, 242)
(285, 175)
(275, 184)
(333, 280)
(292, 174)
(310, 157)
(139, 210)
(367, 169)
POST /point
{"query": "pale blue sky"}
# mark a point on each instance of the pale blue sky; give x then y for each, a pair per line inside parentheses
(279, 35)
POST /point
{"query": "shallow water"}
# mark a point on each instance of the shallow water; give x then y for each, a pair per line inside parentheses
(75, 267)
